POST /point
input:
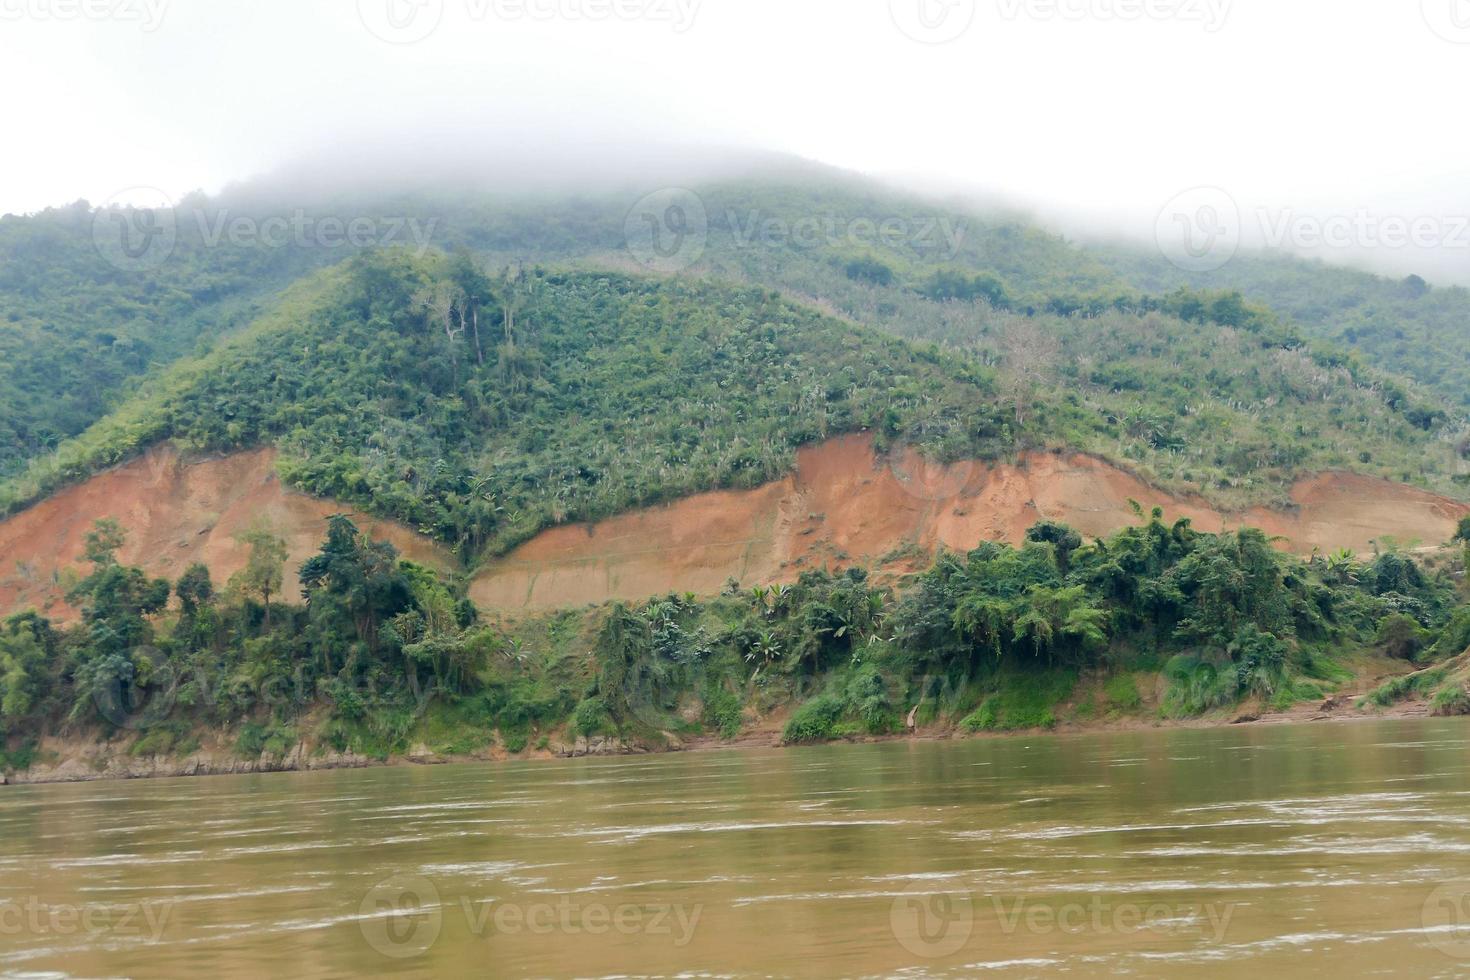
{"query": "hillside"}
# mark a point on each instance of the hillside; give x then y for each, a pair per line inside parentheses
(78, 322)
(981, 457)
(842, 506)
(480, 409)
(1404, 326)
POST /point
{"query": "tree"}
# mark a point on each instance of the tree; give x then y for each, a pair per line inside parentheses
(1029, 352)
(474, 291)
(262, 573)
(22, 667)
(440, 303)
(1462, 532)
(1400, 636)
(1063, 538)
(102, 542)
(358, 578)
(194, 589)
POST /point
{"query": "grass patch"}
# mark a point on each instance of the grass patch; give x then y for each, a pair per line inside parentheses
(1122, 694)
(591, 719)
(815, 721)
(1407, 686)
(722, 711)
(18, 758)
(459, 727)
(255, 739)
(1022, 701)
(1450, 700)
(171, 738)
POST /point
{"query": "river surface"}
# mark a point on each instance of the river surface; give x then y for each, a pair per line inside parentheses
(1255, 851)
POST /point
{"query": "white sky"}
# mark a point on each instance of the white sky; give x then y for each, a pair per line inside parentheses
(1073, 105)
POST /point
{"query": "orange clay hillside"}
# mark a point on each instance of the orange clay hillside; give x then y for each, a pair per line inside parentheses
(175, 514)
(843, 505)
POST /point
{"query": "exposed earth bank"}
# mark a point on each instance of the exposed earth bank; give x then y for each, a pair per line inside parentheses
(843, 504)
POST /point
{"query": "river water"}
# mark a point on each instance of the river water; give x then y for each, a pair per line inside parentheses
(1254, 851)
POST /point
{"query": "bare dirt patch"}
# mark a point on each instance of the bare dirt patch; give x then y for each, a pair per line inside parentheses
(176, 513)
(845, 505)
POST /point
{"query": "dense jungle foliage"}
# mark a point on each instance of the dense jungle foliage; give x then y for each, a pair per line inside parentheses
(481, 406)
(1227, 384)
(381, 654)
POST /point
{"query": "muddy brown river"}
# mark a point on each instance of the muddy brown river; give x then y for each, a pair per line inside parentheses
(1256, 851)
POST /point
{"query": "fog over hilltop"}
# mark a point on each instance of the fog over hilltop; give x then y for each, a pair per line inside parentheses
(1250, 100)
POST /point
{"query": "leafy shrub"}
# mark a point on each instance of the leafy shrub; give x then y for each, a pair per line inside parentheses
(1400, 636)
(1198, 684)
(516, 742)
(1450, 700)
(1121, 690)
(1407, 686)
(722, 711)
(1454, 639)
(159, 740)
(18, 759)
(867, 695)
(1023, 701)
(815, 721)
(591, 718)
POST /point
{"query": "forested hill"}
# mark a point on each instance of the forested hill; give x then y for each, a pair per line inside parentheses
(77, 322)
(1407, 326)
(482, 405)
(1199, 388)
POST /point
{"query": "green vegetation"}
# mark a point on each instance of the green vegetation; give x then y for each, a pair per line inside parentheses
(1407, 685)
(75, 330)
(480, 397)
(606, 393)
(384, 654)
(1022, 701)
(481, 400)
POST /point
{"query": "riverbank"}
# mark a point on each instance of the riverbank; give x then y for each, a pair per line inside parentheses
(70, 760)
